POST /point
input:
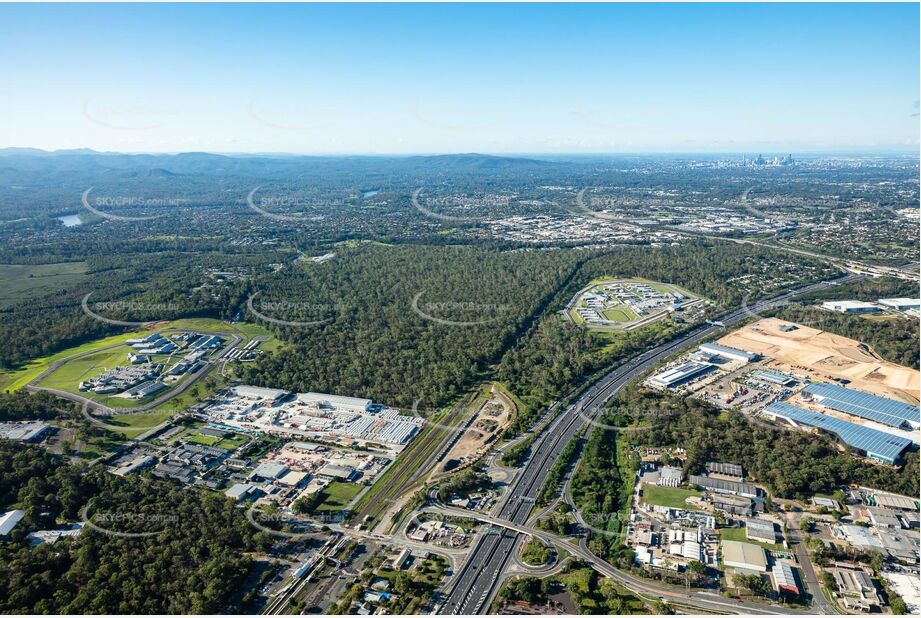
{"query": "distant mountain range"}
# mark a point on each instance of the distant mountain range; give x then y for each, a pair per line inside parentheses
(139, 166)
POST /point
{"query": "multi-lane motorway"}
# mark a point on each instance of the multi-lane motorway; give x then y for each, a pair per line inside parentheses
(474, 586)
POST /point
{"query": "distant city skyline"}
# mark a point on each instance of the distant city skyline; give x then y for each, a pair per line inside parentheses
(562, 79)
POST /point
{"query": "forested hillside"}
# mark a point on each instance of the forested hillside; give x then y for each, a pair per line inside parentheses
(194, 565)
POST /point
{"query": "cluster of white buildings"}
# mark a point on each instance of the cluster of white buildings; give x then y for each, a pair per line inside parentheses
(699, 363)
(910, 306)
(153, 343)
(317, 416)
(546, 228)
(639, 298)
(127, 379)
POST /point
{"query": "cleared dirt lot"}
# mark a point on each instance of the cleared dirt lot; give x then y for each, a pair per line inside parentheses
(488, 423)
(825, 355)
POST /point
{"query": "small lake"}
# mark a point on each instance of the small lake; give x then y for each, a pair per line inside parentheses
(370, 193)
(70, 220)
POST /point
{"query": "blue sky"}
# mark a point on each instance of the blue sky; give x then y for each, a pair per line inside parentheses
(457, 78)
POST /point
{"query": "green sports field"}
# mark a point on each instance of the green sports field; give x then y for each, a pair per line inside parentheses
(620, 313)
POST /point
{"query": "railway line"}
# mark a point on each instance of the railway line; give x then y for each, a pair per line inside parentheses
(415, 463)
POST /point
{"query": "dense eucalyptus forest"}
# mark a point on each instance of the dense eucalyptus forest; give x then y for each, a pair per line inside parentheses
(193, 562)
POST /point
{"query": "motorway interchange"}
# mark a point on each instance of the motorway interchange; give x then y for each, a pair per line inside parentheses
(474, 586)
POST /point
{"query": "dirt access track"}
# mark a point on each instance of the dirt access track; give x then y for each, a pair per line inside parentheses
(825, 355)
(488, 423)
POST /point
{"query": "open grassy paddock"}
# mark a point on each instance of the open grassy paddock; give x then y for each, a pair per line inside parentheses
(19, 282)
(738, 534)
(136, 424)
(13, 380)
(674, 497)
(68, 376)
(337, 495)
(16, 379)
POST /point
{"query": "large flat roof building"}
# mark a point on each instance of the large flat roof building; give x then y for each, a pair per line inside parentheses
(258, 392)
(670, 476)
(268, 471)
(873, 443)
(736, 505)
(856, 589)
(760, 530)
(744, 556)
(23, 432)
(870, 407)
(9, 520)
(340, 402)
(731, 470)
(680, 374)
(784, 579)
(893, 501)
(850, 306)
(724, 486)
(728, 352)
(773, 377)
(901, 304)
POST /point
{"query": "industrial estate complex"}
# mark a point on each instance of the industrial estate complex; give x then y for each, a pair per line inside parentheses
(877, 427)
(314, 415)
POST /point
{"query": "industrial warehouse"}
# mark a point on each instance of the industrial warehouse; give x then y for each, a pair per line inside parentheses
(875, 444)
(805, 389)
(317, 416)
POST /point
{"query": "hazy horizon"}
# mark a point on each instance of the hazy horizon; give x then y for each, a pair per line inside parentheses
(446, 78)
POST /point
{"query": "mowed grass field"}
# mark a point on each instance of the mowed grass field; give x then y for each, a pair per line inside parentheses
(68, 376)
(136, 424)
(620, 313)
(20, 282)
(13, 380)
(674, 497)
(229, 444)
(337, 495)
(738, 534)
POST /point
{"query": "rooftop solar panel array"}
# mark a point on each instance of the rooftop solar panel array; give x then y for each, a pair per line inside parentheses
(873, 442)
(871, 407)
